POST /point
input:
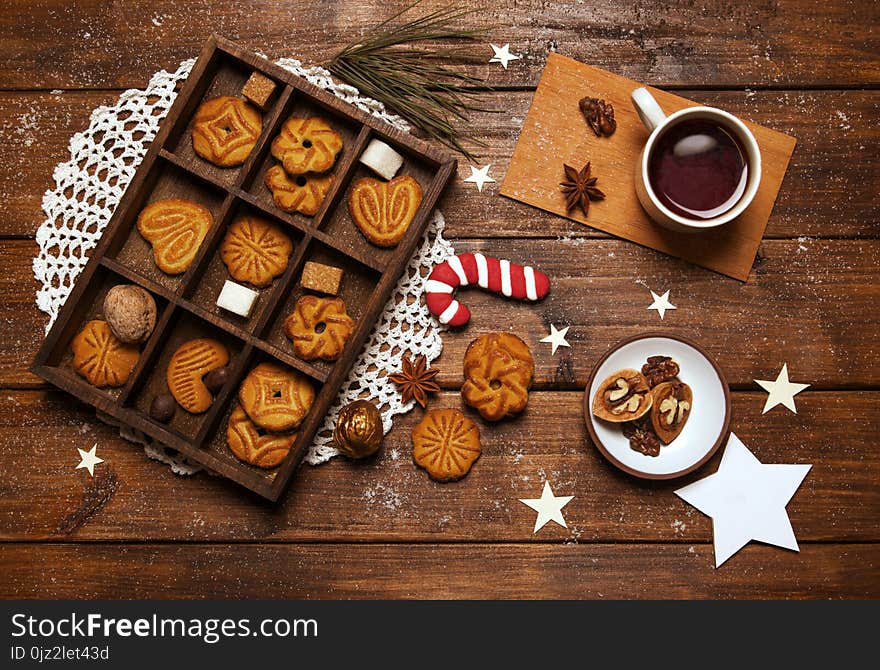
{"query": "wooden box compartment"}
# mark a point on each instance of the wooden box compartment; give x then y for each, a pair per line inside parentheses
(187, 302)
(164, 181)
(338, 224)
(358, 284)
(214, 273)
(181, 328)
(92, 303)
(301, 106)
(223, 76)
(216, 444)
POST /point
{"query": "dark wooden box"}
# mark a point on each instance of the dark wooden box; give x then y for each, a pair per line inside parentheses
(186, 303)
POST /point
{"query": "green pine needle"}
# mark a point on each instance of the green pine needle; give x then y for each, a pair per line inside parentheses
(413, 82)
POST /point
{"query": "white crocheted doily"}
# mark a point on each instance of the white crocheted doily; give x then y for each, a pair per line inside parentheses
(104, 158)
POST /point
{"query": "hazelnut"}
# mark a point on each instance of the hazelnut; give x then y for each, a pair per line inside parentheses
(216, 379)
(162, 408)
(130, 311)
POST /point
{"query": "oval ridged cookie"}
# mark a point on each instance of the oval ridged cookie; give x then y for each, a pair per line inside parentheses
(225, 130)
(303, 193)
(255, 250)
(446, 443)
(175, 228)
(101, 357)
(188, 365)
(245, 441)
(306, 145)
(276, 398)
(383, 210)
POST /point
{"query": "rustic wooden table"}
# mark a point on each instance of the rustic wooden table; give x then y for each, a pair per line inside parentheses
(382, 529)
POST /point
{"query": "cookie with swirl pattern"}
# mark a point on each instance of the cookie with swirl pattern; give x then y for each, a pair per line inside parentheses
(319, 328)
(306, 145)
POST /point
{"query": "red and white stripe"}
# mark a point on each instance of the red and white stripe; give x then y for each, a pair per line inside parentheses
(521, 282)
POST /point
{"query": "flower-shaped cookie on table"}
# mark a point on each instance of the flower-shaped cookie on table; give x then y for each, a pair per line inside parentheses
(446, 443)
(498, 370)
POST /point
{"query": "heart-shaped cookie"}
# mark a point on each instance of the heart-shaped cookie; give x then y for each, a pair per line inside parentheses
(186, 369)
(383, 210)
(176, 229)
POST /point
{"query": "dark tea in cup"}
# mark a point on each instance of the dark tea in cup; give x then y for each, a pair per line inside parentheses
(698, 169)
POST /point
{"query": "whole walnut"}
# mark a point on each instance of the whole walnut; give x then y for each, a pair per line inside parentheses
(358, 432)
(130, 311)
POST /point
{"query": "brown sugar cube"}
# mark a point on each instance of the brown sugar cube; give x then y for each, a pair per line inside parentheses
(321, 278)
(258, 89)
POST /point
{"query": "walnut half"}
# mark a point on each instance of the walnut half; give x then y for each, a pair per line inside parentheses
(671, 409)
(623, 396)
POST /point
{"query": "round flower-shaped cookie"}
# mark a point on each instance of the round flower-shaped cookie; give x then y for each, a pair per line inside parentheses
(306, 145)
(302, 193)
(498, 370)
(319, 328)
(446, 443)
(255, 250)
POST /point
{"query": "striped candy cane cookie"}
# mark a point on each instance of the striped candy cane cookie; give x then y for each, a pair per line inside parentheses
(493, 274)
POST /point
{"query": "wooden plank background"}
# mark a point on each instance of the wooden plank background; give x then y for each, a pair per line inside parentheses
(374, 529)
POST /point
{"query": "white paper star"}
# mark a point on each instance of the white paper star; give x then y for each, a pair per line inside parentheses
(503, 55)
(782, 391)
(661, 303)
(548, 507)
(88, 460)
(556, 338)
(480, 177)
(746, 500)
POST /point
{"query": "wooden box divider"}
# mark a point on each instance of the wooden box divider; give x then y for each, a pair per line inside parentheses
(221, 66)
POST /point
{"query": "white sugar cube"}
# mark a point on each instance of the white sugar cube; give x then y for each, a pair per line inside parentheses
(381, 159)
(237, 298)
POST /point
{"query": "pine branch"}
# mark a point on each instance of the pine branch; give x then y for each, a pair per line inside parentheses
(417, 82)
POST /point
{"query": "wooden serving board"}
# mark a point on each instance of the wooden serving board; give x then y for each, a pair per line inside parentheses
(186, 303)
(555, 133)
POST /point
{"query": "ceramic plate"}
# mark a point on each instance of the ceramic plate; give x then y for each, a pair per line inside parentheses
(704, 431)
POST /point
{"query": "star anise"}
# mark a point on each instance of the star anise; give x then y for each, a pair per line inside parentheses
(416, 380)
(579, 188)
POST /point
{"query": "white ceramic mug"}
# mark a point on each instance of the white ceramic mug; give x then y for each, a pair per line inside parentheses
(657, 121)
